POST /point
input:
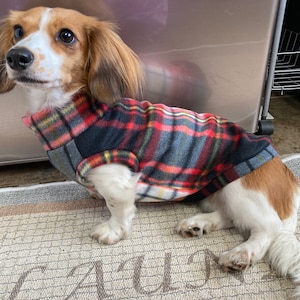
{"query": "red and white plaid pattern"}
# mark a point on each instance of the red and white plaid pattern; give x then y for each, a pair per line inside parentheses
(177, 151)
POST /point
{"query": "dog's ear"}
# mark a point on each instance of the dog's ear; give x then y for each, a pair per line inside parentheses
(113, 69)
(6, 84)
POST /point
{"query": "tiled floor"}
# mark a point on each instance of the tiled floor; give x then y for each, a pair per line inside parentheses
(286, 111)
(286, 137)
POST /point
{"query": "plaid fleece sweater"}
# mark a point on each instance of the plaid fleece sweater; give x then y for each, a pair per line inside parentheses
(178, 152)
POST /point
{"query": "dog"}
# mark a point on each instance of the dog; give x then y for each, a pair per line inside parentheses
(81, 79)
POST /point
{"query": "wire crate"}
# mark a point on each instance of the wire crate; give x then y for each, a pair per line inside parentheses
(287, 70)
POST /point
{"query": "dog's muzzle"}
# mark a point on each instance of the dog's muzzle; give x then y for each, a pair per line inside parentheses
(19, 58)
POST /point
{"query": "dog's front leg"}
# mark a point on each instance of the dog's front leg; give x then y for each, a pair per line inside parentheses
(117, 185)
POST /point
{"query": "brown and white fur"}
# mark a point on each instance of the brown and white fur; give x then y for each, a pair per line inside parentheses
(71, 51)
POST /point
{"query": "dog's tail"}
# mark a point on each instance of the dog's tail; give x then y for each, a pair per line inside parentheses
(284, 257)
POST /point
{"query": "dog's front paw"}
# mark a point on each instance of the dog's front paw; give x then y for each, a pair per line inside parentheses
(235, 260)
(109, 232)
(195, 226)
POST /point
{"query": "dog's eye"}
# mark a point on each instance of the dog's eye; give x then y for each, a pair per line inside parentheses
(18, 32)
(66, 36)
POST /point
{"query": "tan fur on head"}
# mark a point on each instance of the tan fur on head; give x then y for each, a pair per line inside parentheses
(98, 60)
(113, 68)
(6, 41)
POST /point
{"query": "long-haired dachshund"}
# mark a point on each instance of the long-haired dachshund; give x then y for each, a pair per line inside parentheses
(80, 76)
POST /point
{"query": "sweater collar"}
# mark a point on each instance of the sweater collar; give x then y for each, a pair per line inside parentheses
(56, 127)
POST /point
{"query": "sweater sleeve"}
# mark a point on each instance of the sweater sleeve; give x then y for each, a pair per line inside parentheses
(107, 157)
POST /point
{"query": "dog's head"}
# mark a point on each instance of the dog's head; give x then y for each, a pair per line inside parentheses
(61, 51)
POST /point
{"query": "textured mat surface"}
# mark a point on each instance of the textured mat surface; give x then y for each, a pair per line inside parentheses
(46, 252)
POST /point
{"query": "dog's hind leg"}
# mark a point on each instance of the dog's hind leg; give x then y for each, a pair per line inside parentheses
(248, 211)
(117, 185)
(251, 213)
(211, 218)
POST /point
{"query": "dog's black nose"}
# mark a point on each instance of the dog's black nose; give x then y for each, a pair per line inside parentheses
(19, 58)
